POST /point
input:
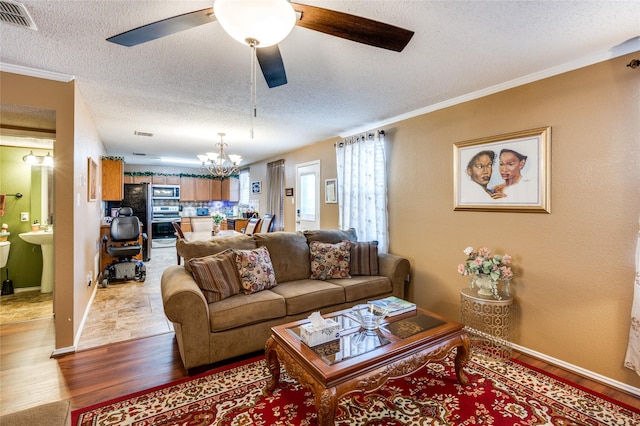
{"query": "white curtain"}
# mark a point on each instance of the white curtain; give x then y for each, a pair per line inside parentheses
(632, 360)
(362, 187)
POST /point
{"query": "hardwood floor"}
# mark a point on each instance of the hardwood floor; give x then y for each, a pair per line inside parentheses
(30, 378)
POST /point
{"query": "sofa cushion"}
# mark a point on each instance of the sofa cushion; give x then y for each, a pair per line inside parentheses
(289, 254)
(216, 275)
(190, 249)
(244, 309)
(331, 235)
(255, 270)
(309, 295)
(329, 260)
(364, 287)
(364, 258)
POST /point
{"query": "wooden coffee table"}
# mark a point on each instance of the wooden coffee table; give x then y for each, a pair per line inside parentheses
(363, 361)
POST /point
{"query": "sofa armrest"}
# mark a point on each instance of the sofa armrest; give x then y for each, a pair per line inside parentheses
(186, 307)
(396, 268)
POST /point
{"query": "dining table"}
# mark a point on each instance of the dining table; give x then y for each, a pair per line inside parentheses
(208, 235)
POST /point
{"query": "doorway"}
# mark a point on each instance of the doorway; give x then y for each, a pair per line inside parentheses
(308, 199)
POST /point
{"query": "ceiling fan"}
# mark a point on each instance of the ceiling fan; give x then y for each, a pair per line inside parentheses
(339, 24)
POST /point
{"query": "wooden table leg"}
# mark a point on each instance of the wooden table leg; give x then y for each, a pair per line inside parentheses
(326, 404)
(462, 356)
(273, 364)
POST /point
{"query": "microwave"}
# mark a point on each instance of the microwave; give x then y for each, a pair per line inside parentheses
(165, 192)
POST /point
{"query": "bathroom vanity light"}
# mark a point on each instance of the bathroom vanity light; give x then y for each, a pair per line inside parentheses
(38, 160)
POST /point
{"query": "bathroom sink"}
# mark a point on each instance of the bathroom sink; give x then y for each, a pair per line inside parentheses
(45, 241)
(37, 237)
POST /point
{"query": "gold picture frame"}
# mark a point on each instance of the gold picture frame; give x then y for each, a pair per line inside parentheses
(92, 173)
(510, 172)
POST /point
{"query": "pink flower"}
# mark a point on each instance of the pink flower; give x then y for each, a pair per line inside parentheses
(468, 251)
(461, 269)
(478, 261)
(484, 252)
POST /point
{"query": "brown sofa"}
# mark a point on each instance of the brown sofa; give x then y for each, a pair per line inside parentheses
(240, 324)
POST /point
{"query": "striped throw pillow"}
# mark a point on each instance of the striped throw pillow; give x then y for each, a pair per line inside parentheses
(216, 275)
(364, 258)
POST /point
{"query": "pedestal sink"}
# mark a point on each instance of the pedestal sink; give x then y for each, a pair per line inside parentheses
(45, 241)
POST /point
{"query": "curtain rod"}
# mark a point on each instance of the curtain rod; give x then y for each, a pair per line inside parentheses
(369, 135)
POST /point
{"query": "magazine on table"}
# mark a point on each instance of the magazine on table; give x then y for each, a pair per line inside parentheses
(393, 305)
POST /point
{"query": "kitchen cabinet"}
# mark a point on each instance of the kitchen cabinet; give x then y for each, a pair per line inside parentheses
(231, 189)
(216, 190)
(142, 179)
(241, 223)
(165, 180)
(195, 189)
(203, 189)
(185, 224)
(187, 189)
(112, 180)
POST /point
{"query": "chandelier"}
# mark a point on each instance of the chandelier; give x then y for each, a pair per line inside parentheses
(219, 164)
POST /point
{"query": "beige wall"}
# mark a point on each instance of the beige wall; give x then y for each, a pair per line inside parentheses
(75, 219)
(574, 267)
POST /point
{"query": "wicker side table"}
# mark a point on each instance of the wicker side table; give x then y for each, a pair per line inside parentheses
(488, 322)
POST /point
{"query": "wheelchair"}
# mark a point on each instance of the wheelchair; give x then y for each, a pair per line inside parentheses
(123, 245)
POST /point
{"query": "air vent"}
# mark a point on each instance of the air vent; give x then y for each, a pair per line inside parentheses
(139, 153)
(137, 133)
(12, 12)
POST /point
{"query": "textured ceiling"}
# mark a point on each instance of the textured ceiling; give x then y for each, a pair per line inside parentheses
(187, 87)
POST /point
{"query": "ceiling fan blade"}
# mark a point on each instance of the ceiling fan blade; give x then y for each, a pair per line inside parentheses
(164, 27)
(272, 66)
(354, 28)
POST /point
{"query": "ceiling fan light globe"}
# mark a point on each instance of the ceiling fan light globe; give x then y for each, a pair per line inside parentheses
(267, 21)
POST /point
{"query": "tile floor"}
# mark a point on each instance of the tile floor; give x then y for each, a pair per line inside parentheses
(25, 306)
(129, 310)
(122, 311)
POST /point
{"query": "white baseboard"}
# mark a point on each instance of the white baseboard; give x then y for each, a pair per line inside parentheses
(579, 370)
(76, 340)
(63, 351)
(23, 289)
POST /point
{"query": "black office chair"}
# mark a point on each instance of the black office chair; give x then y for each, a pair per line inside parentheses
(124, 245)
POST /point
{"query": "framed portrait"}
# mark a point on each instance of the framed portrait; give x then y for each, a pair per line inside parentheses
(508, 172)
(330, 191)
(92, 173)
(256, 187)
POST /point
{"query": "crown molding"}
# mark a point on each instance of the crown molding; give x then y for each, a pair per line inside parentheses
(33, 72)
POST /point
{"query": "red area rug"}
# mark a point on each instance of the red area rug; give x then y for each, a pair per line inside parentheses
(498, 393)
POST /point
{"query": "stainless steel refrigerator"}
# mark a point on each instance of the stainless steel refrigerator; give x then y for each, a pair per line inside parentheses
(138, 197)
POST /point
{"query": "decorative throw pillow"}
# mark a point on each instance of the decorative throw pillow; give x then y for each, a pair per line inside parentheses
(255, 270)
(329, 260)
(216, 275)
(364, 258)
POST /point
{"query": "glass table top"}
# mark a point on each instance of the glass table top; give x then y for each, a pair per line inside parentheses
(354, 341)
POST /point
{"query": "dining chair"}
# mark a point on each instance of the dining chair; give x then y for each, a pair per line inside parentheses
(179, 235)
(252, 225)
(267, 223)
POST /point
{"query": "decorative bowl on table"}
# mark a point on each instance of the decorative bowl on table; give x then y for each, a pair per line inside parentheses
(369, 316)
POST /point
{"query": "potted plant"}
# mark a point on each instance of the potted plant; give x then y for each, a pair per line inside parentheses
(217, 218)
(485, 269)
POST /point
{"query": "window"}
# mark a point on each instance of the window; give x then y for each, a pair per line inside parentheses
(245, 186)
